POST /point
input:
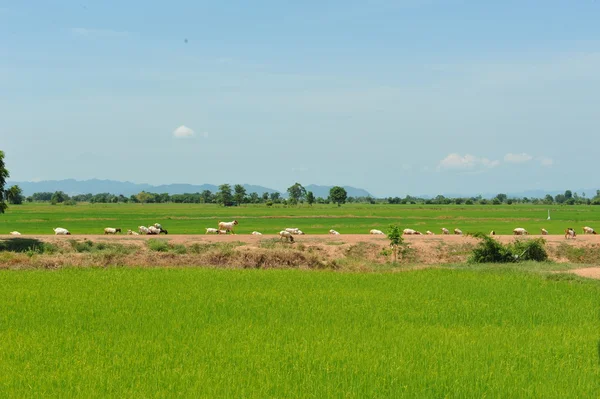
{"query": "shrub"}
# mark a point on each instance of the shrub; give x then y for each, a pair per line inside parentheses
(158, 245)
(490, 250)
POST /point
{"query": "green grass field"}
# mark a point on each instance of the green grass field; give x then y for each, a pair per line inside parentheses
(348, 219)
(257, 334)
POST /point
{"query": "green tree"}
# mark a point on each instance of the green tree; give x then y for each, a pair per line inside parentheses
(3, 176)
(296, 193)
(502, 197)
(14, 195)
(338, 195)
(59, 197)
(206, 197)
(239, 194)
(310, 198)
(568, 194)
(275, 197)
(224, 196)
(396, 240)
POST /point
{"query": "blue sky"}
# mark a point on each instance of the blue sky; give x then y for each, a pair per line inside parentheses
(397, 97)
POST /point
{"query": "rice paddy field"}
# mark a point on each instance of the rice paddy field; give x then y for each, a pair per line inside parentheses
(84, 218)
(193, 332)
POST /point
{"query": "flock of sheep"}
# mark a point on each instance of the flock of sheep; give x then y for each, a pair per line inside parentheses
(288, 233)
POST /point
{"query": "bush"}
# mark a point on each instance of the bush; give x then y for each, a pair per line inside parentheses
(491, 251)
(158, 245)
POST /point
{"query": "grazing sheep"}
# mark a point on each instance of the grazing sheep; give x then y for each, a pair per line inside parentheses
(409, 232)
(299, 232)
(492, 233)
(292, 230)
(544, 232)
(228, 226)
(570, 233)
(589, 230)
(14, 233)
(111, 230)
(519, 231)
(143, 229)
(335, 233)
(429, 233)
(458, 232)
(223, 232)
(376, 232)
(211, 230)
(158, 226)
(132, 233)
(286, 235)
(156, 231)
(59, 231)
(256, 233)
(445, 231)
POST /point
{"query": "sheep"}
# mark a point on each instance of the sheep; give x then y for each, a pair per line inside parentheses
(544, 232)
(299, 232)
(492, 233)
(222, 232)
(14, 233)
(211, 230)
(286, 235)
(570, 233)
(132, 233)
(409, 232)
(143, 229)
(155, 231)
(292, 230)
(256, 233)
(458, 232)
(429, 233)
(62, 232)
(333, 232)
(158, 226)
(111, 230)
(519, 231)
(589, 230)
(228, 226)
(445, 231)
(376, 232)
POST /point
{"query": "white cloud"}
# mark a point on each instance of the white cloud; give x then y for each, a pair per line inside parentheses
(545, 161)
(517, 158)
(184, 132)
(467, 162)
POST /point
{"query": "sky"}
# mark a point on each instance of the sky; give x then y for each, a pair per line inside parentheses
(399, 97)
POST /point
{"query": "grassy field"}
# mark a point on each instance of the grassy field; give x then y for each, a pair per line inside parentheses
(350, 218)
(257, 334)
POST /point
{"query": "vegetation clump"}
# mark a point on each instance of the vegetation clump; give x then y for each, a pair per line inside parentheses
(490, 250)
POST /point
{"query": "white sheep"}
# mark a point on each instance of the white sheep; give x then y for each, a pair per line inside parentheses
(111, 230)
(335, 233)
(429, 233)
(544, 232)
(211, 230)
(158, 226)
(132, 233)
(14, 233)
(570, 233)
(228, 226)
(256, 233)
(156, 231)
(445, 231)
(376, 232)
(223, 232)
(519, 231)
(458, 232)
(143, 229)
(286, 235)
(589, 230)
(59, 231)
(299, 232)
(292, 230)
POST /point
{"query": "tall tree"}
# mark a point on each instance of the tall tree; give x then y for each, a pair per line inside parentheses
(14, 195)
(224, 196)
(310, 198)
(3, 176)
(296, 193)
(239, 194)
(338, 195)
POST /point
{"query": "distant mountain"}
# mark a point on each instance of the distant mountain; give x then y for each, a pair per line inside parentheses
(96, 186)
(323, 191)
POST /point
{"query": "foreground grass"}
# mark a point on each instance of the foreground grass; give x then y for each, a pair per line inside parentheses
(211, 333)
(318, 219)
